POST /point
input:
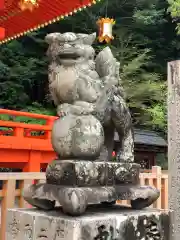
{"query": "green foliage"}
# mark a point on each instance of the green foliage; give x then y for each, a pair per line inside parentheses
(162, 160)
(22, 75)
(174, 9)
(145, 90)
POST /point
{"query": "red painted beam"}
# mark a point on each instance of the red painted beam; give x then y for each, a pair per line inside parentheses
(2, 32)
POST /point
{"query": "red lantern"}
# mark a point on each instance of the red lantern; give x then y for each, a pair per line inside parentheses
(105, 29)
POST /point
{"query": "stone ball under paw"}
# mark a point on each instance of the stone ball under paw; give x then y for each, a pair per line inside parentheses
(77, 136)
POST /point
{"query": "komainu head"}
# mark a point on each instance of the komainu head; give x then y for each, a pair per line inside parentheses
(70, 48)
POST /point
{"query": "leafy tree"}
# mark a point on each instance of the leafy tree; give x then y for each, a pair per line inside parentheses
(145, 90)
(23, 74)
(174, 9)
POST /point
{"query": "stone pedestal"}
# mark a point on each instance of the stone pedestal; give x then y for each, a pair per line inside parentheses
(76, 184)
(115, 223)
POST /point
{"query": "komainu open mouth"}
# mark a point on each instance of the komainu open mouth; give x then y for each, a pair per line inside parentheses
(66, 55)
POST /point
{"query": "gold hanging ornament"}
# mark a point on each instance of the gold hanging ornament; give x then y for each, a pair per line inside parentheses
(105, 29)
(28, 4)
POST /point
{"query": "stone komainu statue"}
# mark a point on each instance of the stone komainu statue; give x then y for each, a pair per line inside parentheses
(91, 106)
(83, 85)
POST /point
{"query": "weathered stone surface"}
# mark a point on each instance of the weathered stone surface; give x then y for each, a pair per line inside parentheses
(87, 173)
(77, 136)
(174, 143)
(83, 85)
(74, 200)
(98, 223)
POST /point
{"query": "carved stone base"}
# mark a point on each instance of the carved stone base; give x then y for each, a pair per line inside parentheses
(114, 223)
(74, 200)
(87, 173)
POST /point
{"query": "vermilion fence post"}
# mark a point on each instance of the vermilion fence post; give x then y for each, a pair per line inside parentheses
(34, 162)
(19, 133)
(49, 122)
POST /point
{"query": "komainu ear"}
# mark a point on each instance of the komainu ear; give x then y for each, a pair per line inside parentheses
(91, 38)
(52, 37)
(86, 39)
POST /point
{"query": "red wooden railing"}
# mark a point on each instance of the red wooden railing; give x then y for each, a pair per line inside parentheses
(23, 145)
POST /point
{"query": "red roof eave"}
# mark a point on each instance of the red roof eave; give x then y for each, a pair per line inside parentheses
(2, 4)
(2, 30)
(17, 23)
